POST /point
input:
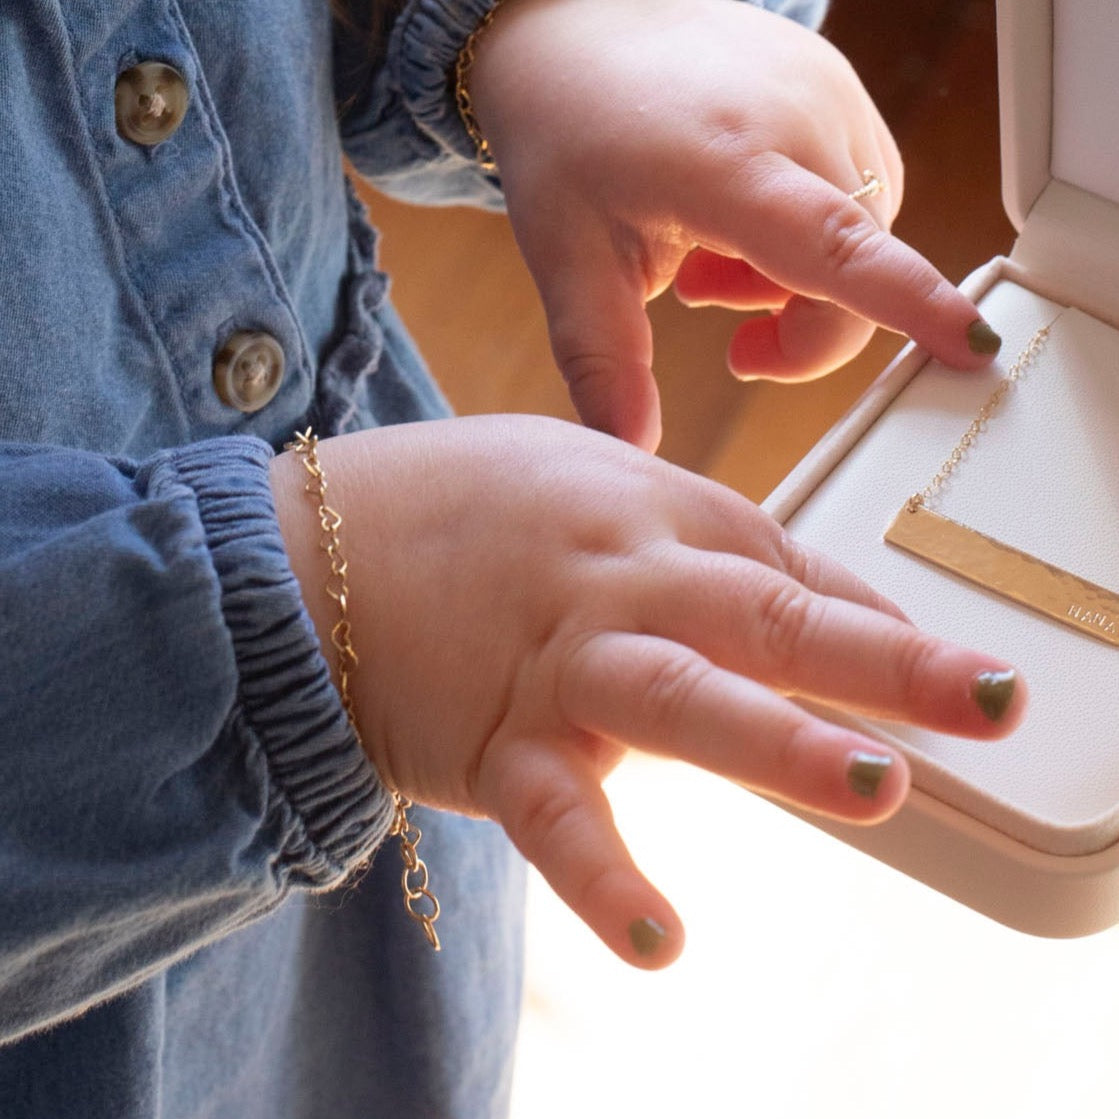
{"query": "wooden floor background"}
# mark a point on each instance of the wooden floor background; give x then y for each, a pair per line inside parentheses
(459, 282)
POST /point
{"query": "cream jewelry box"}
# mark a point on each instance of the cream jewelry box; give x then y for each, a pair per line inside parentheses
(1025, 830)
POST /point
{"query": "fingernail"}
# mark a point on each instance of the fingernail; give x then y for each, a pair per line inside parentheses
(981, 339)
(865, 772)
(646, 936)
(993, 692)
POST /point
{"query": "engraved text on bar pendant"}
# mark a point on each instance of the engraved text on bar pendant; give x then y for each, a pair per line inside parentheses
(1049, 590)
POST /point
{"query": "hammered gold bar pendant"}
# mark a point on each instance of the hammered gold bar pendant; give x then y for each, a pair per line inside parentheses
(1016, 575)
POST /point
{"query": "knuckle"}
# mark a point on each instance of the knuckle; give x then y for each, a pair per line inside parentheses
(796, 561)
(786, 617)
(723, 136)
(915, 666)
(847, 236)
(672, 686)
(585, 369)
(931, 288)
(577, 663)
(781, 770)
(594, 882)
(927, 288)
(546, 817)
(935, 292)
(792, 755)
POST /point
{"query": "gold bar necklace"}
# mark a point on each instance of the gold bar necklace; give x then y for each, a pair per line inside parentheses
(991, 564)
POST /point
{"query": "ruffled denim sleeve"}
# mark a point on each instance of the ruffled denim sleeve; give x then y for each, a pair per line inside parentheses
(400, 124)
(174, 758)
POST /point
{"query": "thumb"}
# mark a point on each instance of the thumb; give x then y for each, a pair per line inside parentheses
(600, 334)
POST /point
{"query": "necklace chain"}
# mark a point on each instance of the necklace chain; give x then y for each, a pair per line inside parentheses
(1021, 363)
(993, 564)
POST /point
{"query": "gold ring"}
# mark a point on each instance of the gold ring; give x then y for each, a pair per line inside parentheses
(872, 185)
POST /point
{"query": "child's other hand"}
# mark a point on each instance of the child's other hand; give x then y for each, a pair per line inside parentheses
(711, 143)
(529, 597)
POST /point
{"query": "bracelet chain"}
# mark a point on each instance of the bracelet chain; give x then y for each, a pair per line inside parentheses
(419, 901)
(463, 64)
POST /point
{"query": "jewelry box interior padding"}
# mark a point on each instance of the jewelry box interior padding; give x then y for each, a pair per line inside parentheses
(1025, 830)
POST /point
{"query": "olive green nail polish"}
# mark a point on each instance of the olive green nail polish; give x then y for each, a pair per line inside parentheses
(646, 936)
(981, 339)
(993, 692)
(866, 771)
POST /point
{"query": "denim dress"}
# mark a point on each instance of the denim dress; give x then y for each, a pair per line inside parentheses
(185, 279)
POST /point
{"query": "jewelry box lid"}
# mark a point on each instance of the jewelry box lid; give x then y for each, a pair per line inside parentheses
(1059, 108)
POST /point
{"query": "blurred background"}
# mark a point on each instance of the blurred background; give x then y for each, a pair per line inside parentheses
(816, 982)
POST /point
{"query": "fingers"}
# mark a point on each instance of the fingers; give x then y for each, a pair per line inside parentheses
(807, 339)
(550, 802)
(759, 622)
(803, 340)
(666, 698)
(808, 236)
(706, 278)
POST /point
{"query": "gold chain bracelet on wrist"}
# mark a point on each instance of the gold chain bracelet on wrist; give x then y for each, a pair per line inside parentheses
(419, 901)
(463, 64)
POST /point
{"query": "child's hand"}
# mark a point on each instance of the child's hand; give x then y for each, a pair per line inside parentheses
(529, 597)
(630, 132)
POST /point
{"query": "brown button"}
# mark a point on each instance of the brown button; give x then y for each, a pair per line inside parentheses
(151, 101)
(248, 370)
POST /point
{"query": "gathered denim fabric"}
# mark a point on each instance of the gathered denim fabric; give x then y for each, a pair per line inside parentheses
(180, 791)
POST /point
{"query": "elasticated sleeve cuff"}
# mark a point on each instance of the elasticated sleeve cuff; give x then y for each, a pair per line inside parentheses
(325, 798)
(401, 127)
(425, 43)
